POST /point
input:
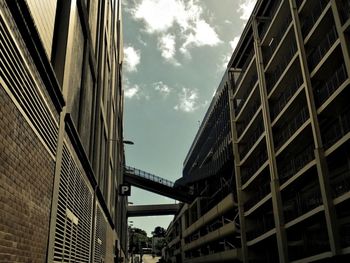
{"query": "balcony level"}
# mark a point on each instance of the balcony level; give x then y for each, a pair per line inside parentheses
(255, 164)
(260, 224)
(302, 199)
(337, 131)
(343, 220)
(282, 100)
(290, 127)
(274, 12)
(330, 83)
(227, 229)
(282, 68)
(311, 13)
(279, 43)
(339, 173)
(247, 71)
(230, 255)
(221, 208)
(344, 10)
(294, 164)
(318, 53)
(308, 241)
(251, 139)
(256, 191)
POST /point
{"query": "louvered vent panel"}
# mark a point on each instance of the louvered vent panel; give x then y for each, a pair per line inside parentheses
(24, 84)
(100, 236)
(74, 213)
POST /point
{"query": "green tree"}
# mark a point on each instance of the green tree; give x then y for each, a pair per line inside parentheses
(159, 232)
(137, 240)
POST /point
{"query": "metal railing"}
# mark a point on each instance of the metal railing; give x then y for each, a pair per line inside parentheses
(326, 89)
(276, 40)
(312, 242)
(340, 183)
(271, 14)
(264, 223)
(337, 129)
(344, 10)
(149, 176)
(308, 22)
(247, 91)
(292, 126)
(263, 190)
(318, 53)
(248, 171)
(301, 203)
(244, 68)
(272, 78)
(251, 112)
(345, 236)
(245, 148)
(293, 165)
(285, 96)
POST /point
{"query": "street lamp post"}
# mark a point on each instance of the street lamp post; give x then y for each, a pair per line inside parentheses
(131, 241)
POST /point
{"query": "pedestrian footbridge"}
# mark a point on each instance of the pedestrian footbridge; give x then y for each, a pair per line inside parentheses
(156, 184)
(154, 210)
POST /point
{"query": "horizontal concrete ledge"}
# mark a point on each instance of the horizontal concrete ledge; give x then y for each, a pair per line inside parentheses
(228, 229)
(224, 256)
(221, 208)
(152, 210)
(174, 241)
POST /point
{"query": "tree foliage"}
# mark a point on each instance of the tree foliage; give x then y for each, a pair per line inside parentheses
(159, 232)
(137, 240)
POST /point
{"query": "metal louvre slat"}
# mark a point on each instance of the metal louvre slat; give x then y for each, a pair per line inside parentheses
(100, 236)
(31, 109)
(27, 94)
(72, 238)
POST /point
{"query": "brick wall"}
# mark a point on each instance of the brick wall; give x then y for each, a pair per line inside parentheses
(26, 180)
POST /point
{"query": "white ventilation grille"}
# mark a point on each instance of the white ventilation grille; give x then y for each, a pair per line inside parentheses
(17, 70)
(74, 213)
(100, 236)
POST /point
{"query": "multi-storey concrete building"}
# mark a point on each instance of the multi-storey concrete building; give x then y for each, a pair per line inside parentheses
(207, 230)
(288, 91)
(61, 140)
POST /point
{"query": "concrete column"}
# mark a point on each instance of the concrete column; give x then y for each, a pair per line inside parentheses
(237, 161)
(321, 163)
(182, 240)
(56, 184)
(275, 191)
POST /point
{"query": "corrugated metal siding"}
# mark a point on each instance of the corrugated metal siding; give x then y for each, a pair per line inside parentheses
(43, 12)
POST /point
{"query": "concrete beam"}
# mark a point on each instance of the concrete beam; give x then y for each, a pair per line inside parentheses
(152, 210)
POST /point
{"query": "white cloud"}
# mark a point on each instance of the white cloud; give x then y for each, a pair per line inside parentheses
(245, 8)
(234, 43)
(203, 35)
(162, 88)
(131, 90)
(188, 100)
(160, 16)
(132, 58)
(168, 49)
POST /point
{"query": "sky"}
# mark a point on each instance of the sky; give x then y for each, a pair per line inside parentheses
(175, 55)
